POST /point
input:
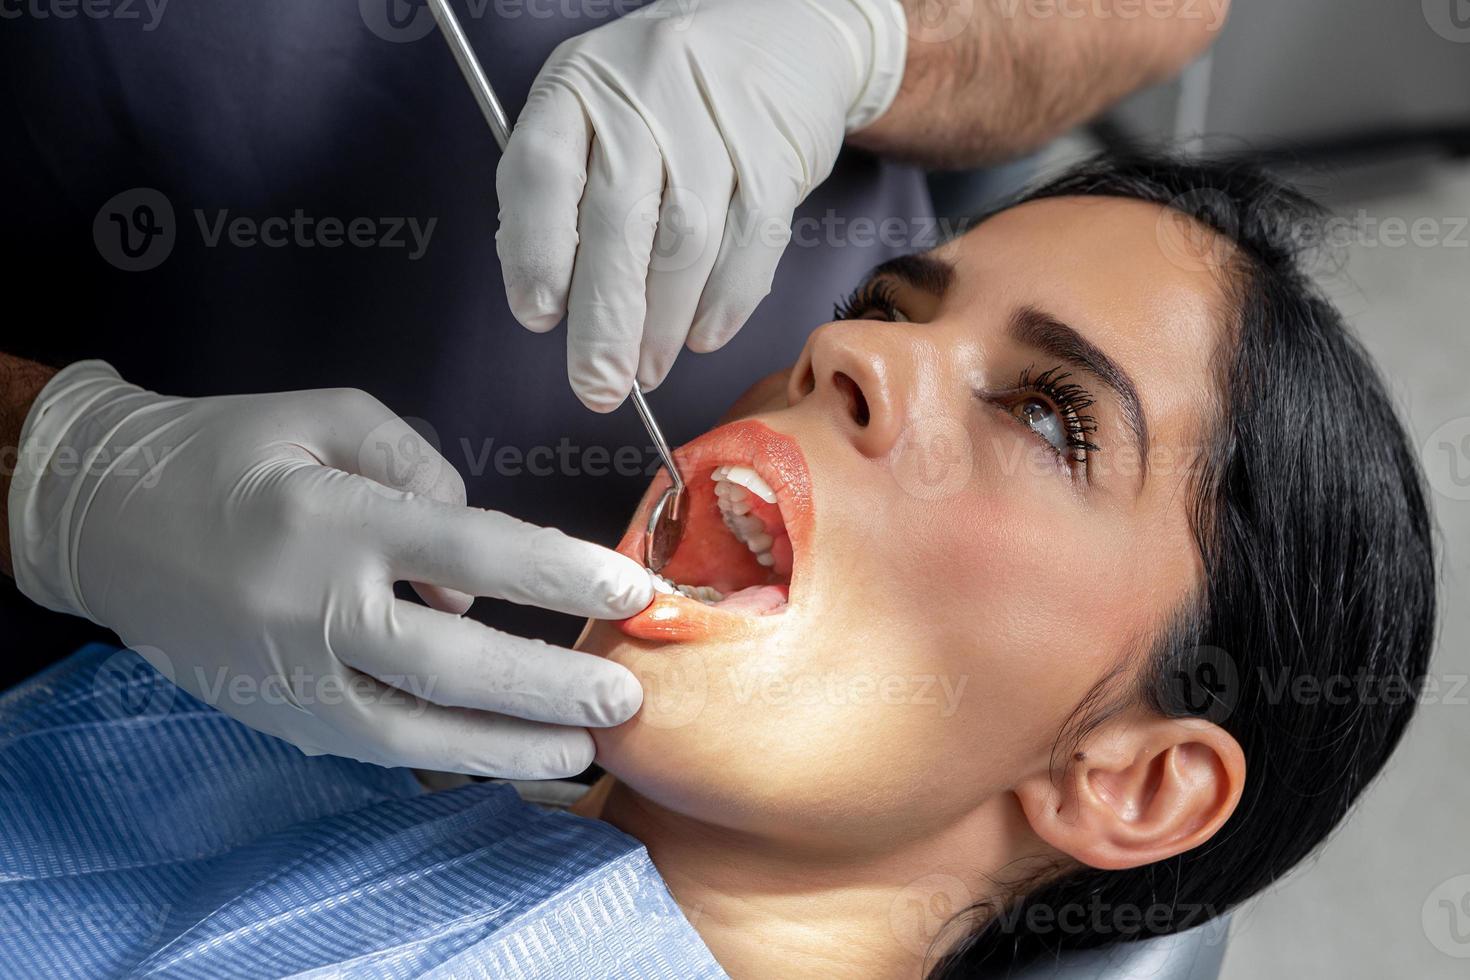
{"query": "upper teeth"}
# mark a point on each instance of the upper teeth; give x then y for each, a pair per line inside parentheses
(748, 478)
(734, 486)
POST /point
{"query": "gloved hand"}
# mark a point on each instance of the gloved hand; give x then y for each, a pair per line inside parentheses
(247, 546)
(708, 123)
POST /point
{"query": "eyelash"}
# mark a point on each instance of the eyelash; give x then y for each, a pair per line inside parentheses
(1068, 399)
(874, 296)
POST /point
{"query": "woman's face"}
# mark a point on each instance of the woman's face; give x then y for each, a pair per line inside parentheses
(965, 519)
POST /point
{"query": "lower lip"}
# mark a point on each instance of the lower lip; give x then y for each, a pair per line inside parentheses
(779, 461)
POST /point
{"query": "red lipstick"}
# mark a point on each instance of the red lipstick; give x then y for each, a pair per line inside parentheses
(710, 555)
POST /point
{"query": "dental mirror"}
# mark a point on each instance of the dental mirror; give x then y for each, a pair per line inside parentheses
(666, 520)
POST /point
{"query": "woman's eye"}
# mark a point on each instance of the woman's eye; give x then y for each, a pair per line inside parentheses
(1043, 418)
(1053, 408)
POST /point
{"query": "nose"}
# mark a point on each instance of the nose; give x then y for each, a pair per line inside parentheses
(853, 370)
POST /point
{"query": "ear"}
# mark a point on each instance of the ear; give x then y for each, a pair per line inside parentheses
(1140, 789)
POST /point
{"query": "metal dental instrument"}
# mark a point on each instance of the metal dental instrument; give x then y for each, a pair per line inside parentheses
(459, 46)
(666, 521)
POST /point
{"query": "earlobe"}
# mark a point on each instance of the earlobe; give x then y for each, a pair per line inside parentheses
(1139, 790)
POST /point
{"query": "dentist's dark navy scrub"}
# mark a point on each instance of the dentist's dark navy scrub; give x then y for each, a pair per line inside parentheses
(343, 134)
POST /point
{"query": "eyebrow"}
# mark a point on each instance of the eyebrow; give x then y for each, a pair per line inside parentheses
(1036, 328)
(1039, 329)
(922, 271)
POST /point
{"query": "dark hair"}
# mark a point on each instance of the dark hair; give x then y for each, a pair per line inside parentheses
(1310, 516)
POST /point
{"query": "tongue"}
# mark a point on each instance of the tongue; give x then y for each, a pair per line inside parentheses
(755, 600)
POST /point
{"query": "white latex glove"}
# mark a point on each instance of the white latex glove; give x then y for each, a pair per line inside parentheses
(247, 546)
(709, 122)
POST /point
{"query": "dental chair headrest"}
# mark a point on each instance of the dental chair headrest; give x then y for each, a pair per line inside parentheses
(1192, 955)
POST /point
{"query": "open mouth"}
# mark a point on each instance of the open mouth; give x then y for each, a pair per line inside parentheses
(736, 553)
(747, 512)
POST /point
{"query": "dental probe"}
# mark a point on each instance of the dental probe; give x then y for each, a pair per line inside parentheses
(665, 522)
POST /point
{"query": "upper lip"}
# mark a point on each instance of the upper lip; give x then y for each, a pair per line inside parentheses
(776, 457)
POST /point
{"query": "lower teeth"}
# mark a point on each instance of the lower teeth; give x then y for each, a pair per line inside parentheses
(703, 593)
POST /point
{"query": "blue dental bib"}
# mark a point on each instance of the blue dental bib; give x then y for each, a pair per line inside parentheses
(143, 832)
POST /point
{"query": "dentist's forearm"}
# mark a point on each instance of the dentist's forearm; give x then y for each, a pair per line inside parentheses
(20, 382)
(991, 79)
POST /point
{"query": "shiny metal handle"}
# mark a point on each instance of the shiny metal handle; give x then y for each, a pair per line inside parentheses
(459, 46)
(658, 437)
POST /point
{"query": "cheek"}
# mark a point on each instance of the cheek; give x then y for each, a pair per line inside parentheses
(1004, 598)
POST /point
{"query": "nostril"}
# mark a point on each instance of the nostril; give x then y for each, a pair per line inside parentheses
(857, 404)
(807, 383)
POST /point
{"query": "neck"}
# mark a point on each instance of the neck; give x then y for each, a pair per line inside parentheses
(769, 910)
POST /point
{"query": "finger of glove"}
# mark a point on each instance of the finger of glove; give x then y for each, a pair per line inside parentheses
(459, 663)
(487, 553)
(616, 225)
(539, 183)
(367, 438)
(387, 727)
(692, 216)
(746, 265)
